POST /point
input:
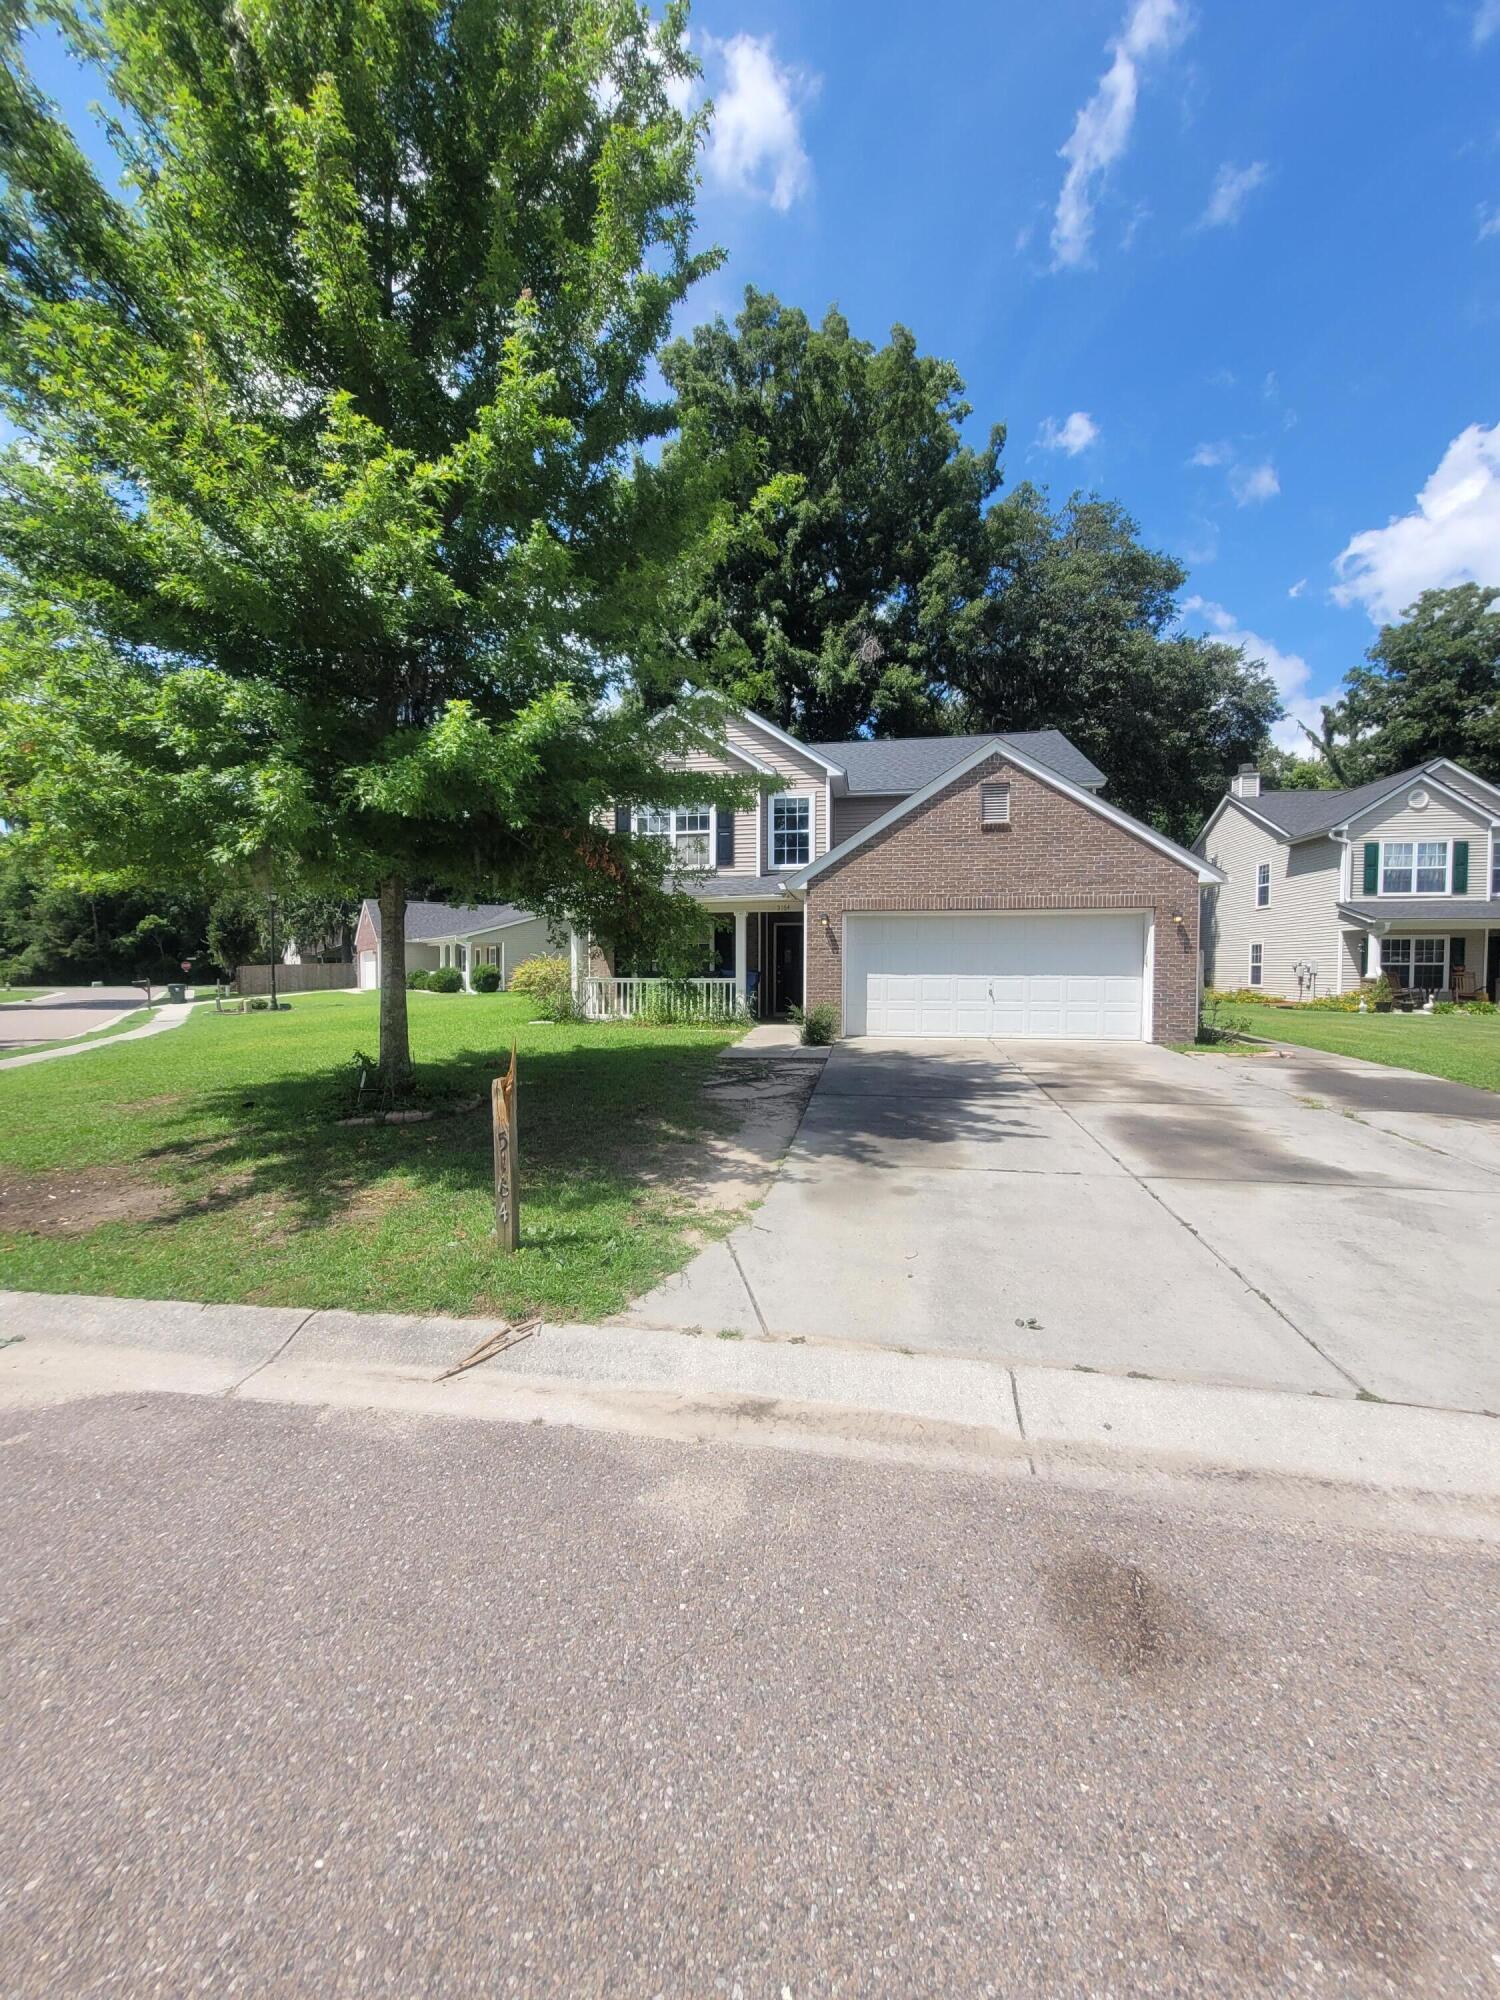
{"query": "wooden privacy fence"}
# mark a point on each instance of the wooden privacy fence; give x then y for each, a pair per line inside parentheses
(507, 1187)
(256, 979)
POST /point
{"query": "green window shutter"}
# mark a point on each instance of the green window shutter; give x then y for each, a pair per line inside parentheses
(1372, 867)
(1460, 868)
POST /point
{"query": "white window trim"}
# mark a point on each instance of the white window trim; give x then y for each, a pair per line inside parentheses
(676, 833)
(1262, 881)
(1414, 844)
(1409, 967)
(1254, 965)
(805, 801)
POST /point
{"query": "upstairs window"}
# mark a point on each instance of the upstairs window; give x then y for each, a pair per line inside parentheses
(791, 830)
(686, 828)
(1414, 868)
(1263, 886)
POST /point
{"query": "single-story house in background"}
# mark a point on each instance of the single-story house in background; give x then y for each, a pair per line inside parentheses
(437, 934)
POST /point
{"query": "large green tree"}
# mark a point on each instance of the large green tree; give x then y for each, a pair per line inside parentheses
(1084, 639)
(1428, 687)
(853, 567)
(51, 929)
(333, 536)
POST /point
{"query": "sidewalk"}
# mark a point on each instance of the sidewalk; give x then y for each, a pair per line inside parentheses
(171, 1016)
(1018, 1421)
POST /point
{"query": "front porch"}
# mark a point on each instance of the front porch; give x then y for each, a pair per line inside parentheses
(1429, 962)
(755, 968)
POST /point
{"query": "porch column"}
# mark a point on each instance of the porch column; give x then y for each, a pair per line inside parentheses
(578, 958)
(741, 971)
(1372, 961)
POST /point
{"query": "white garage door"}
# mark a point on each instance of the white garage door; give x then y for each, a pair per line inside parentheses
(367, 968)
(1068, 977)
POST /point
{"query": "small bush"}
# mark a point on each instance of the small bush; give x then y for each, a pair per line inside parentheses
(1445, 1006)
(257, 1005)
(485, 979)
(1240, 996)
(445, 979)
(1480, 1006)
(419, 980)
(819, 1025)
(548, 980)
(1336, 1003)
(540, 974)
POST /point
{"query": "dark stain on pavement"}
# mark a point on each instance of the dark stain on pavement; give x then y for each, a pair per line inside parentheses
(1355, 1906)
(1225, 1146)
(1122, 1620)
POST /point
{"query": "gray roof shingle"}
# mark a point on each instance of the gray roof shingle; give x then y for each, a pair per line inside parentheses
(1301, 815)
(1443, 911)
(441, 920)
(899, 764)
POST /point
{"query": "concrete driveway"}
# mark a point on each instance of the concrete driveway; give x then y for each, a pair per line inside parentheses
(71, 1010)
(1125, 1208)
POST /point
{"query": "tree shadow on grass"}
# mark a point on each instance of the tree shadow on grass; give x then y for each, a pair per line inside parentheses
(589, 1118)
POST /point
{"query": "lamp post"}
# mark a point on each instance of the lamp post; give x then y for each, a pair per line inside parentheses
(271, 904)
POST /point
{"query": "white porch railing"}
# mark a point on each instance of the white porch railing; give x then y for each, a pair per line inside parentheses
(679, 999)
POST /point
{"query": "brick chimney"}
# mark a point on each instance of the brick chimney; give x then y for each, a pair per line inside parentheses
(1245, 784)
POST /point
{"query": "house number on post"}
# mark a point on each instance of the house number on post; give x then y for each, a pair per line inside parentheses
(503, 1125)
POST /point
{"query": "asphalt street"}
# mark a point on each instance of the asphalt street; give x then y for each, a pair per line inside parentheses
(336, 1703)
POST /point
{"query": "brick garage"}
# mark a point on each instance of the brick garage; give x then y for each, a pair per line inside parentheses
(1055, 854)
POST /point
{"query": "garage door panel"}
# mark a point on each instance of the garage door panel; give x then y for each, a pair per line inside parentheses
(1064, 977)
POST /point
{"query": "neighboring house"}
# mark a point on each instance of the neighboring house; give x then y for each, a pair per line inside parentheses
(953, 885)
(439, 934)
(1323, 889)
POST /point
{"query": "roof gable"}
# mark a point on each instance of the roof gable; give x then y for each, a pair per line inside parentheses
(884, 765)
(1004, 747)
(426, 922)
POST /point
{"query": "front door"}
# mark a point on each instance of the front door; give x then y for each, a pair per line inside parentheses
(1492, 966)
(786, 964)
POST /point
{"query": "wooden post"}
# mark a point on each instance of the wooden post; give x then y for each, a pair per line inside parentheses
(507, 1186)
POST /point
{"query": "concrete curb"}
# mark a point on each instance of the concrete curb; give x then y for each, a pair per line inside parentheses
(1045, 1419)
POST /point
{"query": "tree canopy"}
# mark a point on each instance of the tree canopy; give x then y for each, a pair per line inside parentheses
(1428, 687)
(853, 568)
(332, 537)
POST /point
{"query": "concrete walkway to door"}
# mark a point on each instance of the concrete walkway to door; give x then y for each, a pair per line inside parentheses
(1121, 1208)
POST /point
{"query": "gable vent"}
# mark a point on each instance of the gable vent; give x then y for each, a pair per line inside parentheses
(994, 805)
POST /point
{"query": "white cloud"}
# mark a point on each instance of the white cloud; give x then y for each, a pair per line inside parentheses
(1101, 131)
(1233, 187)
(1489, 218)
(1210, 455)
(1073, 435)
(1451, 536)
(1252, 485)
(1289, 671)
(1298, 587)
(755, 142)
(1486, 21)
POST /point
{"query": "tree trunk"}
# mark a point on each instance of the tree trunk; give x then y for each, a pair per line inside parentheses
(395, 1042)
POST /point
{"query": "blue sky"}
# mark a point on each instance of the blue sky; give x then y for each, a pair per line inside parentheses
(1238, 267)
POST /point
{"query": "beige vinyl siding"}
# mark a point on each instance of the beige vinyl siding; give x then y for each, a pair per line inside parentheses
(746, 821)
(853, 815)
(803, 773)
(1300, 923)
(1442, 819)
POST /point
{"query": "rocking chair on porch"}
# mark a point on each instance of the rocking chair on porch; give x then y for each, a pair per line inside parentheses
(1465, 984)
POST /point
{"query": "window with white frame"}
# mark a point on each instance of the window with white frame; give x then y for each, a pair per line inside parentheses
(687, 828)
(1263, 886)
(1257, 966)
(1495, 868)
(791, 830)
(1419, 962)
(1414, 868)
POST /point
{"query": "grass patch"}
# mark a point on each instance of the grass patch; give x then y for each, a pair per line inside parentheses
(24, 992)
(1465, 1048)
(257, 1195)
(121, 1027)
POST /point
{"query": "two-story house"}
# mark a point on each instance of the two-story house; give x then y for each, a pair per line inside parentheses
(945, 885)
(1324, 889)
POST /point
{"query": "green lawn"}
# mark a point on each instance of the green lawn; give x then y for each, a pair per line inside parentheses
(1463, 1047)
(24, 992)
(124, 1026)
(206, 1163)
